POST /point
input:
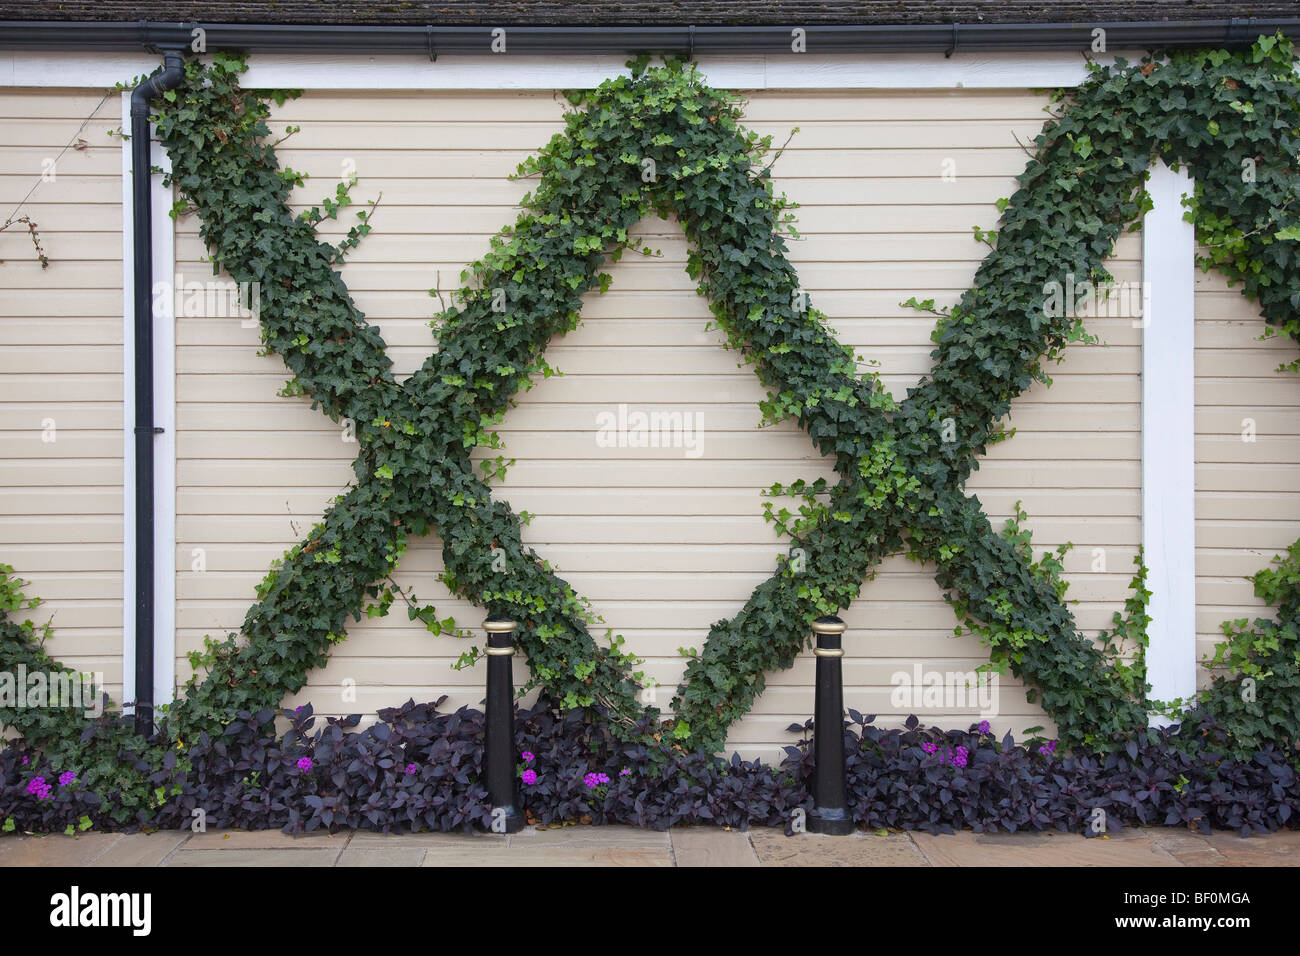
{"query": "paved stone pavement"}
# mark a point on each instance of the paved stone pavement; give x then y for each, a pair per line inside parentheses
(627, 846)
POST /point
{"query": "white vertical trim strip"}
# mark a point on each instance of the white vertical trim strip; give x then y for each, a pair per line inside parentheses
(1169, 436)
(128, 419)
(164, 416)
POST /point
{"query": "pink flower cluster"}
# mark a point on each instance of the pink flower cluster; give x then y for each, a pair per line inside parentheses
(304, 763)
(529, 776)
(594, 779)
(1048, 748)
(958, 757)
(41, 790)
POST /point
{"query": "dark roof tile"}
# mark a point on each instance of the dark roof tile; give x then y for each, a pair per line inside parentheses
(609, 12)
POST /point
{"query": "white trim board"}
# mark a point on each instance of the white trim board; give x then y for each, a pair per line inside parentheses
(888, 71)
(164, 383)
(128, 419)
(1169, 435)
(164, 417)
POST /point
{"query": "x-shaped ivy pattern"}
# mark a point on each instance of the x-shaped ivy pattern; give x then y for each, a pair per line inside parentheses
(901, 467)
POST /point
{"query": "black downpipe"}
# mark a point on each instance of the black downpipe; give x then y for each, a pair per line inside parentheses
(172, 73)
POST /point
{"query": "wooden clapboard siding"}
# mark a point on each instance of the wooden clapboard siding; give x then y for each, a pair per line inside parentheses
(61, 500)
(1247, 502)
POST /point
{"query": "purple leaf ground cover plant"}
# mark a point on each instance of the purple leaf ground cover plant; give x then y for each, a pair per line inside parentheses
(420, 768)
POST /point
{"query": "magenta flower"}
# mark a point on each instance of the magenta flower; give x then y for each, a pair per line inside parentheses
(24, 761)
(411, 769)
(594, 779)
(984, 726)
(38, 788)
(529, 777)
(928, 747)
(67, 777)
(527, 756)
(625, 771)
(304, 763)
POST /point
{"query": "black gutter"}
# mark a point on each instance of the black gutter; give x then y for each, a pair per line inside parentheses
(170, 76)
(105, 36)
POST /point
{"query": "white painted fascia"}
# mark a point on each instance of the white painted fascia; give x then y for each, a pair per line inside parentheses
(890, 71)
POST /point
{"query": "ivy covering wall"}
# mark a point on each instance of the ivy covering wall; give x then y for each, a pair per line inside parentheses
(659, 140)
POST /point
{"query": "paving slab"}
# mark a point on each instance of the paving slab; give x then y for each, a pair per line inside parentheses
(367, 839)
(614, 837)
(860, 848)
(261, 840)
(488, 854)
(55, 849)
(313, 857)
(580, 856)
(1042, 848)
(142, 849)
(375, 856)
(711, 846)
(1274, 849)
(631, 846)
(1188, 847)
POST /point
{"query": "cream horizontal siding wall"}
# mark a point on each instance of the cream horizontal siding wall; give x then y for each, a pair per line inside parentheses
(1247, 500)
(662, 544)
(61, 363)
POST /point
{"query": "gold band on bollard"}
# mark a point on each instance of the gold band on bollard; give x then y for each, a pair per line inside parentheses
(501, 651)
(829, 651)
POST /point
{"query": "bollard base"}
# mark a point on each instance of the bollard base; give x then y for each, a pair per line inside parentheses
(505, 820)
(830, 822)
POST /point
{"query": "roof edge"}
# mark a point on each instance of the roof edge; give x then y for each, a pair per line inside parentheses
(106, 36)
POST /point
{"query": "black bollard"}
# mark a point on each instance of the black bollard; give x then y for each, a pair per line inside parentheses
(830, 814)
(499, 737)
